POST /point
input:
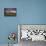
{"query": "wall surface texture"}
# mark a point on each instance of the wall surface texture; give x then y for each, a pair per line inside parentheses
(28, 12)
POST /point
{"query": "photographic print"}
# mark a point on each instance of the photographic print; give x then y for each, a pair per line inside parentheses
(9, 11)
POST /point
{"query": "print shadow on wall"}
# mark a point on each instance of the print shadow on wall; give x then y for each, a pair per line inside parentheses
(9, 11)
